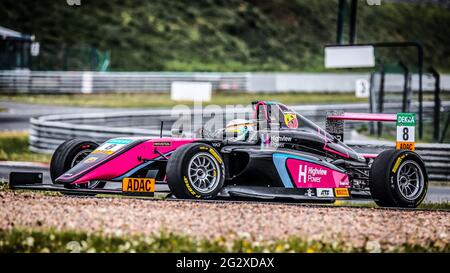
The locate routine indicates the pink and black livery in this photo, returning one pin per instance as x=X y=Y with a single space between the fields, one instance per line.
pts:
x=286 y=157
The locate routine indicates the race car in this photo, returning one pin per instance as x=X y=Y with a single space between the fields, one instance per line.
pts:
x=277 y=154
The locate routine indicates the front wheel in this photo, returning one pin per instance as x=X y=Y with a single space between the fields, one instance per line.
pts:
x=398 y=178
x=69 y=154
x=195 y=171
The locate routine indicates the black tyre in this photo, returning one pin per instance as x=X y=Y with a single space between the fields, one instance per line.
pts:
x=67 y=155
x=195 y=170
x=398 y=178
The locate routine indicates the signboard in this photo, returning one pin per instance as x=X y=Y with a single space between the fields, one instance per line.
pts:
x=191 y=91
x=362 y=88
x=349 y=56
x=406 y=127
x=34 y=49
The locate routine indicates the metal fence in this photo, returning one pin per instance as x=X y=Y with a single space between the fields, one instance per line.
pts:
x=93 y=82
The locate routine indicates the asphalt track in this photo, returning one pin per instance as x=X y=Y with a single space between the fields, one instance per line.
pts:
x=17 y=117
x=435 y=194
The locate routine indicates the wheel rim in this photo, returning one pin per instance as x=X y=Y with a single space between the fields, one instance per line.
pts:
x=77 y=159
x=204 y=172
x=410 y=180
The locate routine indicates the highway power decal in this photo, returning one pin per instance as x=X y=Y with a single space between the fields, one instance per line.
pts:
x=406 y=124
x=310 y=175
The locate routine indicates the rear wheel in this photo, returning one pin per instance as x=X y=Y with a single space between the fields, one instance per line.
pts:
x=69 y=154
x=398 y=178
x=195 y=171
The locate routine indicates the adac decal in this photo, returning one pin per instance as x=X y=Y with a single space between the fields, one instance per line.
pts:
x=90 y=160
x=138 y=184
x=341 y=192
x=291 y=121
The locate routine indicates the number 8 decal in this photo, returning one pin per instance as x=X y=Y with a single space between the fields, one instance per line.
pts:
x=405 y=133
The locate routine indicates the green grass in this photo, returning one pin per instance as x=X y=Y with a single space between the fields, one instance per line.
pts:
x=26 y=240
x=14 y=147
x=440 y=206
x=128 y=100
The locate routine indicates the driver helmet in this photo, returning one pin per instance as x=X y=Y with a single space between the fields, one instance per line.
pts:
x=239 y=129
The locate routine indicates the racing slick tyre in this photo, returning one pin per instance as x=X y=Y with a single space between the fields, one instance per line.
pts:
x=195 y=170
x=398 y=178
x=67 y=155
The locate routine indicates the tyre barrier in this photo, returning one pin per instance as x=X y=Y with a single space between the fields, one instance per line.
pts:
x=47 y=132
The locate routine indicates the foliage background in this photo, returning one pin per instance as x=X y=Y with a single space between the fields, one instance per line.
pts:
x=219 y=35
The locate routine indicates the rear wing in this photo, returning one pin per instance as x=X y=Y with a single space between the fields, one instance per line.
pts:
x=405 y=122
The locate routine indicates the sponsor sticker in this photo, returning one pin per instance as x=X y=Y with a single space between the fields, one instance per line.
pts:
x=397 y=163
x=112 y=146
x=119 y=141
x=141 y=185
x=90 y=160
x=162 y=144
x=191 y=191
x=341 y=192
x=216 y=156
x=290 y=119
x=406 y=124
x=325 y=192
x=310 y=192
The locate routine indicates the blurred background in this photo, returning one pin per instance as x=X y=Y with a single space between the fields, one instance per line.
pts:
x=106 y=68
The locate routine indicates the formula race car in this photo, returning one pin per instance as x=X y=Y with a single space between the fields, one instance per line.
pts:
x=277 y=154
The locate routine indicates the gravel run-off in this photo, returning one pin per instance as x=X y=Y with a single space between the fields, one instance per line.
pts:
x=353 y=227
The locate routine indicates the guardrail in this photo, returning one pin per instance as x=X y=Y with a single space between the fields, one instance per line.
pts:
x=92 y=82
x=47 y=132
x=435 y=155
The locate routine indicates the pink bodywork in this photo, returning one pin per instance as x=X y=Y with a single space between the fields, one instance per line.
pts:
x=365 y=117
x=369 y=155
x=310 y=175
x=129 y=159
